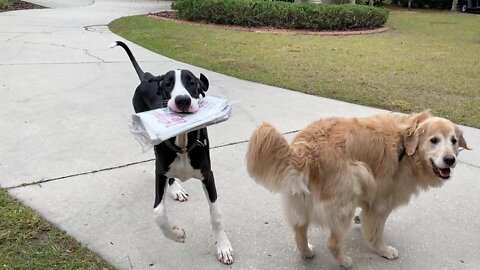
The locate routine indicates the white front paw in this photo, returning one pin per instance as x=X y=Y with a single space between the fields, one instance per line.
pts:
x=389 y=252
x=176 y=234
x=225 y=252
x=178 y=193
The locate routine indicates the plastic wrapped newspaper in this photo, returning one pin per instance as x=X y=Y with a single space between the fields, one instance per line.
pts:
x=152 y=127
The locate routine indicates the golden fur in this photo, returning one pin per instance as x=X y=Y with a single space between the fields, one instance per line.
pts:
x=335 y=165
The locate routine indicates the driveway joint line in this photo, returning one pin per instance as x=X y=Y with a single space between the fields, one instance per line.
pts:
x=39 y=182
x=77 y=174
x=150 y=160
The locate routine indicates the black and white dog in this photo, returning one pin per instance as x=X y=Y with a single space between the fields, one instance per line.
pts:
x=185 y=156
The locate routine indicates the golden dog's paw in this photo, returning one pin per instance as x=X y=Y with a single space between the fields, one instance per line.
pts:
x=390 y=253
x=347 y=263
x=308 y=254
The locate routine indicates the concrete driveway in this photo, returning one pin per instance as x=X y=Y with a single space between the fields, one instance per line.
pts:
x=66 y=152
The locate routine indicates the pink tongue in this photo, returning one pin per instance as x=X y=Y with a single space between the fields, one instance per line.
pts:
x=445 y=172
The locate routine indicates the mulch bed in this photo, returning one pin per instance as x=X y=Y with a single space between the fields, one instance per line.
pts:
x=19 y=5
x=172 y=16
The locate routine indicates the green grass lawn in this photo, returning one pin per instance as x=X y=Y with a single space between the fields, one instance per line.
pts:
x=428 y=60
x=29 y=242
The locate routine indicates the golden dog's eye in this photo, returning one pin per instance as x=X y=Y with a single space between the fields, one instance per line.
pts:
x=454 y=141
x=434 y=140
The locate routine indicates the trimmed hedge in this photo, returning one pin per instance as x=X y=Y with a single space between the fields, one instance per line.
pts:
x=4 y=4
x=278 y=14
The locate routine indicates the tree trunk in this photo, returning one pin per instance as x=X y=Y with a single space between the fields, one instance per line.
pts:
x=370 y=2
x=352 y=2
x=409 y=4
x=454 y=5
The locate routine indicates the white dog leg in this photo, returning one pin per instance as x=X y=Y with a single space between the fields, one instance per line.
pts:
x=171 y=232
x=224 y=248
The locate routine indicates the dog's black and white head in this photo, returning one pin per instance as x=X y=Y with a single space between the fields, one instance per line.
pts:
x=182 y=90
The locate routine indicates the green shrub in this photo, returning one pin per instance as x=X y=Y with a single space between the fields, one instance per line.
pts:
x=281 y=14
x=4 y=4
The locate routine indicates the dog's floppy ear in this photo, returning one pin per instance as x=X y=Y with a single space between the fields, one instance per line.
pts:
x=203 y=82
x=414 y=131
x=412 y=139
x=157 y=79
x=161 y=90
x=461 y=140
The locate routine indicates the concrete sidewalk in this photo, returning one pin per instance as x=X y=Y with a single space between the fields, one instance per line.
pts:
x=66 y=152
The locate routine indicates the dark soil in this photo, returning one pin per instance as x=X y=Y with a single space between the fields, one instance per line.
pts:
x=167 y=14
x=19 y=5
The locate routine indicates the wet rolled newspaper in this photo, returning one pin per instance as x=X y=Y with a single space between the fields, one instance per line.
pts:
x=153 y=127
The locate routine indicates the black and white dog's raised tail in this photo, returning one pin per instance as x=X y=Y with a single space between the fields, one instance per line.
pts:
x=183 y=157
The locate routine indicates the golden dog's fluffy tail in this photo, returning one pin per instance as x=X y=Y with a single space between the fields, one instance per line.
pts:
x=272 y=163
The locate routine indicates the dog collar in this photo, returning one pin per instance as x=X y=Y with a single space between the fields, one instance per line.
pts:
x=185 y=150
x=402 y=153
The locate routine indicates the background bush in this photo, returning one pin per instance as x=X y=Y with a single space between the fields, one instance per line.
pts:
x=281 y=14
x=4 y=4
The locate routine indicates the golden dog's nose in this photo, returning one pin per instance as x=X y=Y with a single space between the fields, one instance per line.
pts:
x=449 y=160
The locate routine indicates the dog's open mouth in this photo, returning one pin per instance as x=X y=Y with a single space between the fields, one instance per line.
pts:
x=184 y=112
x=443 y=173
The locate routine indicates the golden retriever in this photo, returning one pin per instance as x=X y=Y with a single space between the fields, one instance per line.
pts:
x=335 y=165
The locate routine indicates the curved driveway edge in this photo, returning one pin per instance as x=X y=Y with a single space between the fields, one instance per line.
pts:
x=62 y=3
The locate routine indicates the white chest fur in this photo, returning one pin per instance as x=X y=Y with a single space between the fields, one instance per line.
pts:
x=181 y=168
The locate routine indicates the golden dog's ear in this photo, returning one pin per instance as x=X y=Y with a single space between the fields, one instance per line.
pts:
x=414 y=131
x=411 y=140
x=461 y=140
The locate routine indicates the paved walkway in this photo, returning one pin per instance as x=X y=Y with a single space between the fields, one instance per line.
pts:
x=66 y=152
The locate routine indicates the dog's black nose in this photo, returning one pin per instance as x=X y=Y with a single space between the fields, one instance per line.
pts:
x=449 y=160
x=183 y=102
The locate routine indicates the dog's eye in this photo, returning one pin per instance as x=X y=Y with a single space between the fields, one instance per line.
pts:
x=168 y=84
x=454 y=141
x=192 y=83
x=434 y=140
